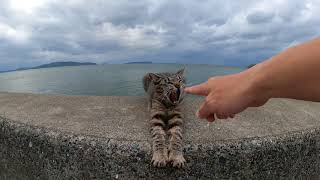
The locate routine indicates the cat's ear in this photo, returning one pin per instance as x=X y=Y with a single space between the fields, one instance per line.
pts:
x=154 y=77
x=181 y=71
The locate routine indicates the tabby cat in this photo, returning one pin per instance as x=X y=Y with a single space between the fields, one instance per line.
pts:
x=165 y=92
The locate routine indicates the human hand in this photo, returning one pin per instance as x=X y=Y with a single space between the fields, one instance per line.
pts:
x=226 y=96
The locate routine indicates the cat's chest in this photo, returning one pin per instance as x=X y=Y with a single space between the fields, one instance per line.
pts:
x=166 y=112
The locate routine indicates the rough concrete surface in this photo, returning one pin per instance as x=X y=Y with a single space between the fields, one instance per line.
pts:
x=87 y=137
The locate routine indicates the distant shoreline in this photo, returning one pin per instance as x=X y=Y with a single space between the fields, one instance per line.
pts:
x=52 y=65
x=140 y=62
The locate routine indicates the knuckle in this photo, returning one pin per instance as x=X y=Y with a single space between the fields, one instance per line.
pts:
x=219 y=116
x=207 y=99
x=223 y=114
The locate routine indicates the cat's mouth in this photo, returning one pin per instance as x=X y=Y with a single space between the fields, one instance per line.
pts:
x=175 y=96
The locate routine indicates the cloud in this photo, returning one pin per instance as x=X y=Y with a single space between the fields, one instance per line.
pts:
x=259 y=17
x=216 y=32
x=18 y=35
x=139 y=36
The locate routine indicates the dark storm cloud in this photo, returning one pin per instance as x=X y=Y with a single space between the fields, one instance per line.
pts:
x=219 y=32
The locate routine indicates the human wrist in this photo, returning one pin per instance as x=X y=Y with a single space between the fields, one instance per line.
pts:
x=259 y=87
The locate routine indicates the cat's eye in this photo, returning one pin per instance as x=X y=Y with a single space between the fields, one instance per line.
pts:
x=181 y=80
x=177 y=84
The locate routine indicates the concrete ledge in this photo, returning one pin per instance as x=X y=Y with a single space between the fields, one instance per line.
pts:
x=63 y=137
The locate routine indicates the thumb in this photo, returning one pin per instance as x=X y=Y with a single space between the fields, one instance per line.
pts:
x=201 y=89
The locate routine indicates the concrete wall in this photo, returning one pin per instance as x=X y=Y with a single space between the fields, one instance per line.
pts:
x=81 y=137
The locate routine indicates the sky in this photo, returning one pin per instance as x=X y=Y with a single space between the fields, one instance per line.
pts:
x=227 y=32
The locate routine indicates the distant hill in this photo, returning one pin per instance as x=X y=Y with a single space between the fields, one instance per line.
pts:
x=139 y=62
x=55 y=64
x=61 y=64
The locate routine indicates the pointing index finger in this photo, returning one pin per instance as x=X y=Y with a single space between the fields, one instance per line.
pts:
x=200 y=89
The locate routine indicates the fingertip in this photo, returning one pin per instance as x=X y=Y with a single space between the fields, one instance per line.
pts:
x=187 y=90
x=200 y=89
x=210 y=118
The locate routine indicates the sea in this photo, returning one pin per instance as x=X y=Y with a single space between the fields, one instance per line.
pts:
x=101 y=80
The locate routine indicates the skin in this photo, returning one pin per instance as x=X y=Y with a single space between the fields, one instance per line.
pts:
x=293 y=73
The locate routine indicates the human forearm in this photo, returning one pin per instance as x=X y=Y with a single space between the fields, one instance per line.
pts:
x=294 y=73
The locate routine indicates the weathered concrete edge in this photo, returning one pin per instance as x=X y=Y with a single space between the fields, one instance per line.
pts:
x=38 y=153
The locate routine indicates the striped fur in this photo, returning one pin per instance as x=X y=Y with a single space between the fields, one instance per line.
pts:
x=165 y=93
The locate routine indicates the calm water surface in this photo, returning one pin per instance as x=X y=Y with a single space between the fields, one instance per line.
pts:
x=100 y=80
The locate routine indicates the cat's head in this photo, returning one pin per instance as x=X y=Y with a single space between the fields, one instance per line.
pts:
x=169 y=87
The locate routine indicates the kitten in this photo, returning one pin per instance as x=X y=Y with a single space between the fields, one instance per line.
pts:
x=165 y=92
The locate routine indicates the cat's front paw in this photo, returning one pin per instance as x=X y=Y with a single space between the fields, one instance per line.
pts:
x=159 y=159
x=177 y=160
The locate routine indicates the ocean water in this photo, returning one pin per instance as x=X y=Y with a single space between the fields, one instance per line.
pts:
x=101 y=80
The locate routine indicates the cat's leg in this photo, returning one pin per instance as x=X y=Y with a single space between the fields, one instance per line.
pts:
x=175 y=141
x=160 y=151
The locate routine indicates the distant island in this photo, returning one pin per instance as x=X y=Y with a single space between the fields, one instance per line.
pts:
x=139 y=62
x=55 y=64
x=61 y=64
